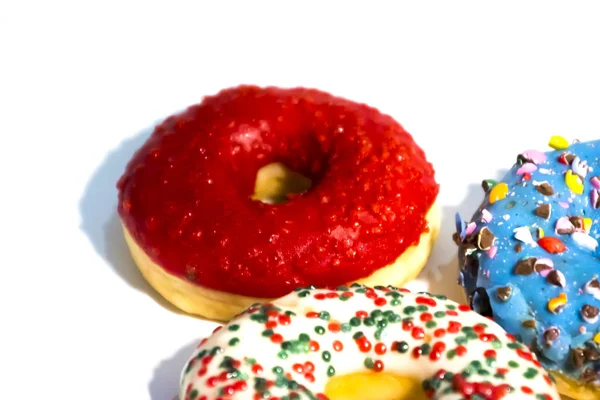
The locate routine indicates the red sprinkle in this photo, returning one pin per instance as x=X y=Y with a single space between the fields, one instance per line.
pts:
x=552 y=245
x=380 y=301
x=257 y=369
x=426 y=317
x=362 y=314
x=454 y=327
x=461 y=351
x=338 y=346
x=276 y=338
x=271 y=324
x=418 y=333
x=313 y=346
x=489 y=354
x=439 y=333
x=312 y=314
x=436 y=351
x=464 y=307
x=309 y=367
x=526 y=390
x=428 y=301
x=298 y=368
x=334 y=327
x=380 y=348
x=309 y=377
x=284 y=319
x=378 y=366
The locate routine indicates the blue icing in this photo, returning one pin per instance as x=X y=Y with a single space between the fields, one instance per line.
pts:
x=531 y=293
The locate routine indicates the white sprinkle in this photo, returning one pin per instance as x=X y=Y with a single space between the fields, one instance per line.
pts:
x=506 y=217
x=523 y=234
x=544 y=171
x=584 y=240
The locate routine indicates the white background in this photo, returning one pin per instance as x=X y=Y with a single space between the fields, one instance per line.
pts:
x=81 y=86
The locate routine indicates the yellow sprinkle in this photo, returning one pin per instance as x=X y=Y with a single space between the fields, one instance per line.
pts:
x=558 y=142
x=587 y=224
x=574 y=182
x=540 y=233
x=597 y=338
x=556 y=304
x=498 y=192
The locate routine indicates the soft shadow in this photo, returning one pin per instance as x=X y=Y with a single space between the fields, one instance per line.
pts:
x=100 y=222
x=442 y=269
x=165 y=380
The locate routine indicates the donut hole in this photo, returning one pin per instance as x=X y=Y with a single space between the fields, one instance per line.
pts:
x=275 y=184
x=374 y=386
x=480 y=302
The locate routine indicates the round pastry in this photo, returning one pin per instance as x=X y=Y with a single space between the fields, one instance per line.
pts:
x=529 y=259
x=257 y=191
x=362 y=343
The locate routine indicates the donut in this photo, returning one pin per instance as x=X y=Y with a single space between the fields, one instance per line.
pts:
x=362 y=343
x=218 y=213
x=529 y=259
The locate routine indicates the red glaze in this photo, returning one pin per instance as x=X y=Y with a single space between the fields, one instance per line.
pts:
x=185 y=195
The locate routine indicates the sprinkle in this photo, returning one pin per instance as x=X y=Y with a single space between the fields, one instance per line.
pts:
x=558 y=143
x=593 y=287
x=574 y=182
x=498 y=192
x=492 y=251
x=556 y=278
x=534 y=156
x=564 y=226
x=597 y=338
x=595 y=199
x=488 y=184
x=505 y=217
x=544 y=188
x=584 y=240
x=523 y=234
x=503 y=293
x=589 y=313
x=485 y=239
x=526 y=168
x=530 y=323
x=595 y=181
x=550 y=335
x=563 y=204
x=518 y=247
x=540 y=232
x=543 y=211
x=556 y=304
x=552 y=245
x=470 y=228
x=486 y=216
x=544 y=171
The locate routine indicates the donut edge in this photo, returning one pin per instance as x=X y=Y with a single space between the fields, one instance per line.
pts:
x=217 y=305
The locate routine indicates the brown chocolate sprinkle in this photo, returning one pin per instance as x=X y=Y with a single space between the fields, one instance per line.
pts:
x=511 y=204
x=485 y=239
x=588 y=375
x=570 y=157
x=591 y=353
x=577 y=222
x=503 y=293
x=550 y=335
x=555 y=278
x=589 y=313
x=543 y=211
x=518 y=247
x=525 y=266
x=530 y=323
x=545 y=189
x=577 y=357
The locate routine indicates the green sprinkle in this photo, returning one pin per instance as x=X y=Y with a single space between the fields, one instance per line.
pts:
x=451 y=354
x=304 y=293
x=319 y=330
x=476 y=364
x=422 y=307
x=330 y=371
x=382 y=324
x=513 y=364
x=513 y=345
x=355 y=321
x=282 y=355
x=530 y=373
x=461 y=340
x=303 y=337
x=496 y=344
x=450 y=306
x=402 y=347
x=439 y=314
x=259 y=318
x=394 y=318
x=368 y=363
x=357 y=335
x=345 y=327
x=326 y=356
x=395 y=302
x=425 y=349
x=233 y=327
x=430 y=324
x=369 y=321
x=409 y=310
x=193 y=394
x=376 y=313
x=324 y=315
x=267 y=333
x=234 y=341
x=277 y=370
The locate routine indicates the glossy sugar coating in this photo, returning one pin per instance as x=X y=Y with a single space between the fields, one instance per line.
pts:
x=530 y=255
x=290 y=348
x=185 y=196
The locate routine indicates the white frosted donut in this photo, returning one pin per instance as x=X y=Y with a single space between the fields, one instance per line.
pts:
x=291 y=348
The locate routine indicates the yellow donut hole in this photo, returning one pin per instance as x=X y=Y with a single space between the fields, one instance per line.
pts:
x=374 y=386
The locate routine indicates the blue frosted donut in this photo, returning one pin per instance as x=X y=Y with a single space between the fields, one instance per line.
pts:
x=529 y=258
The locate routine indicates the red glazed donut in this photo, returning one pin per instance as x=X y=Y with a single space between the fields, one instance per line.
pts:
x=185 y=199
